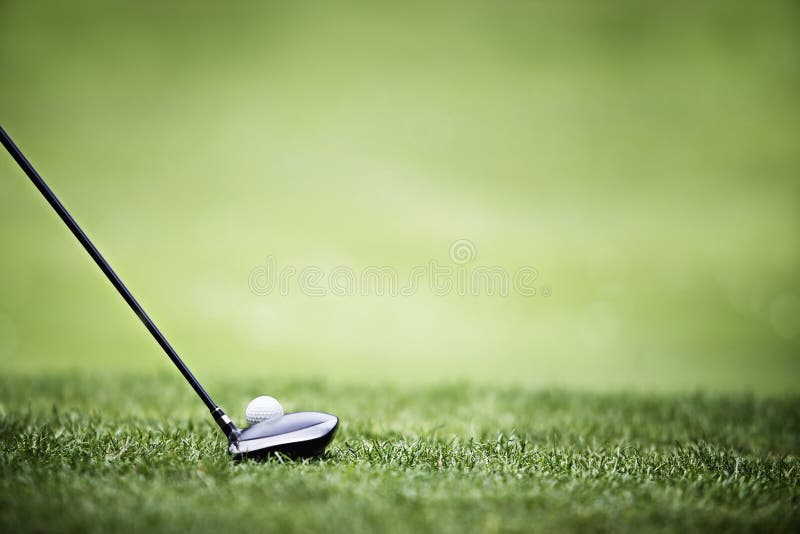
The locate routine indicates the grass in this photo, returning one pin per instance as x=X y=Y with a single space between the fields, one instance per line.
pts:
x=642 y=158
x=113 y=453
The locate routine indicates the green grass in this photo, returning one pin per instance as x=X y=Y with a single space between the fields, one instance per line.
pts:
x=641 y=156
x=114 y=454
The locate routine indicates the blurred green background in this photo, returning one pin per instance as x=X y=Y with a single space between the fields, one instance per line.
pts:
x=643 y=157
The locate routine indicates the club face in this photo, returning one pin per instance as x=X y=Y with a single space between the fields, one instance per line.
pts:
x=297 y=435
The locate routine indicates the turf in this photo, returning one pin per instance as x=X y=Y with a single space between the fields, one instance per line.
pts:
x=110 y=453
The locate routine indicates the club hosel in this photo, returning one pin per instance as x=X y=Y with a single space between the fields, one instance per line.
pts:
x=225 y=423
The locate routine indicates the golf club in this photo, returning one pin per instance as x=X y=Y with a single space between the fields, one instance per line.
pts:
x=297 y=435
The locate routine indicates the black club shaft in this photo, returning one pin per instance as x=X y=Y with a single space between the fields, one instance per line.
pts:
x=219 y=416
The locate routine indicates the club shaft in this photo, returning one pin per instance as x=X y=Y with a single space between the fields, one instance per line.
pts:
x=76 y=230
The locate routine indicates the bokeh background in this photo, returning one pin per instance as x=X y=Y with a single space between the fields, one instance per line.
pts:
x=642 y=156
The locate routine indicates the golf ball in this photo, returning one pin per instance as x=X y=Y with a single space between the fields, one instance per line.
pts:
x=263 y=408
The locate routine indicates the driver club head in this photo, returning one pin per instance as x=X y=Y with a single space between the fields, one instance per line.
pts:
x=297 y=435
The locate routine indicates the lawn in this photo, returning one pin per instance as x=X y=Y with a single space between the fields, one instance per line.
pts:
x=109 y=453
x=640 y=158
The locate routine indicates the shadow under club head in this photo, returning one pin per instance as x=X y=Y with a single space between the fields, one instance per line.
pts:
x=297 y=435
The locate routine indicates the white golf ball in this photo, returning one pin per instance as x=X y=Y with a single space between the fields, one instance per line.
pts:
x=263 y=408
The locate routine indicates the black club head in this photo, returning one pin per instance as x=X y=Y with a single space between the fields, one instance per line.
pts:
x=297 y=435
